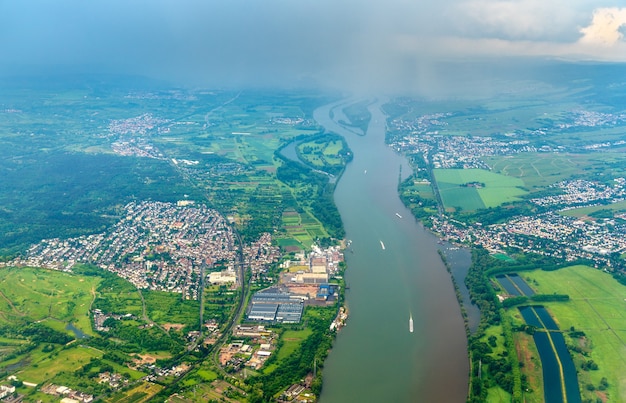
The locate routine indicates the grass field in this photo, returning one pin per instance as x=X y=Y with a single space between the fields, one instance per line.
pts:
x=538 y=170
x=38 y=294
x=291 y=341
x=597 y=307
x=585 y=211
x=498 y=395
x=45 y=366
x=494 y=189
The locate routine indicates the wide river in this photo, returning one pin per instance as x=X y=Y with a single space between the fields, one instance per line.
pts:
x=393 y=273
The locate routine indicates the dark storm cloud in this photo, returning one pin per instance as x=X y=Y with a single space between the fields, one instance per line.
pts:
x=353 y=43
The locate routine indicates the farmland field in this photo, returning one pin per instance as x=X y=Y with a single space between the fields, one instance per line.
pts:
x=471 y=189
x=142 y=393
x=301 y=229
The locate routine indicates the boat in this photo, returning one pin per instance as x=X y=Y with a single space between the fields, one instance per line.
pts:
x=365 y=172
x=382 y=245
x=398 y=215
x=411 y=323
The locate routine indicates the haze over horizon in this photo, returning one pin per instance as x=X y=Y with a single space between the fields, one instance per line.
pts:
x=392 y=45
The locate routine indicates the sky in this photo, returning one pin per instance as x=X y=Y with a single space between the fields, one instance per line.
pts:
x=350 y=43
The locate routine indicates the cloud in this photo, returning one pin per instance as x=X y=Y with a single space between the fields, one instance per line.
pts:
x=605 y=27
x=377 y=43
x=519 y=19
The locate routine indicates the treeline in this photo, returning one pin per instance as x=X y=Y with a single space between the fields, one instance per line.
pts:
x=620 y=277
x=500 y=214
x=35 y=332
x=417 y=204
x=514 y=301
x=486 y=369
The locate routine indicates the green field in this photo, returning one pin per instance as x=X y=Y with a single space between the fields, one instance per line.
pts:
x=166 y=307
x=38 y=294
x=302 y=229
x=538 y=170
x=320 y=154
x=45 y=366
x=585 y=211
x=492 y=189
x=597 y=307
x=291 y=341
x=116 y=295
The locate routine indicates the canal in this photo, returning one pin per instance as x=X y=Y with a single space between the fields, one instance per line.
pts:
x=394 y=273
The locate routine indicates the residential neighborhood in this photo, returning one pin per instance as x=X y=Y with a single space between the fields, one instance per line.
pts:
x=159 y=246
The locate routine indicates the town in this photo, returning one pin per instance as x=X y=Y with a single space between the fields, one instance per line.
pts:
x=158 y=246
x=551 y=230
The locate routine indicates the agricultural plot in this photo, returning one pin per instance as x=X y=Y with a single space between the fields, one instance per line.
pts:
x=457 y=197
x=597 y=307
x=217 y=390
x=471 y=189
x=302 y=230
x=139 y=394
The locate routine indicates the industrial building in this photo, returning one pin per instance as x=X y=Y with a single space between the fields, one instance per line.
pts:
x=276 y=306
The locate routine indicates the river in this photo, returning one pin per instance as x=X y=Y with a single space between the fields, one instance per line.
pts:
x=394 y=272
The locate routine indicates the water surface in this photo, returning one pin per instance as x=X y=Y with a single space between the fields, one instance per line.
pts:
x=394 y=272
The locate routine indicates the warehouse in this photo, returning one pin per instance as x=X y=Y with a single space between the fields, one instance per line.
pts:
x=275 y=305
